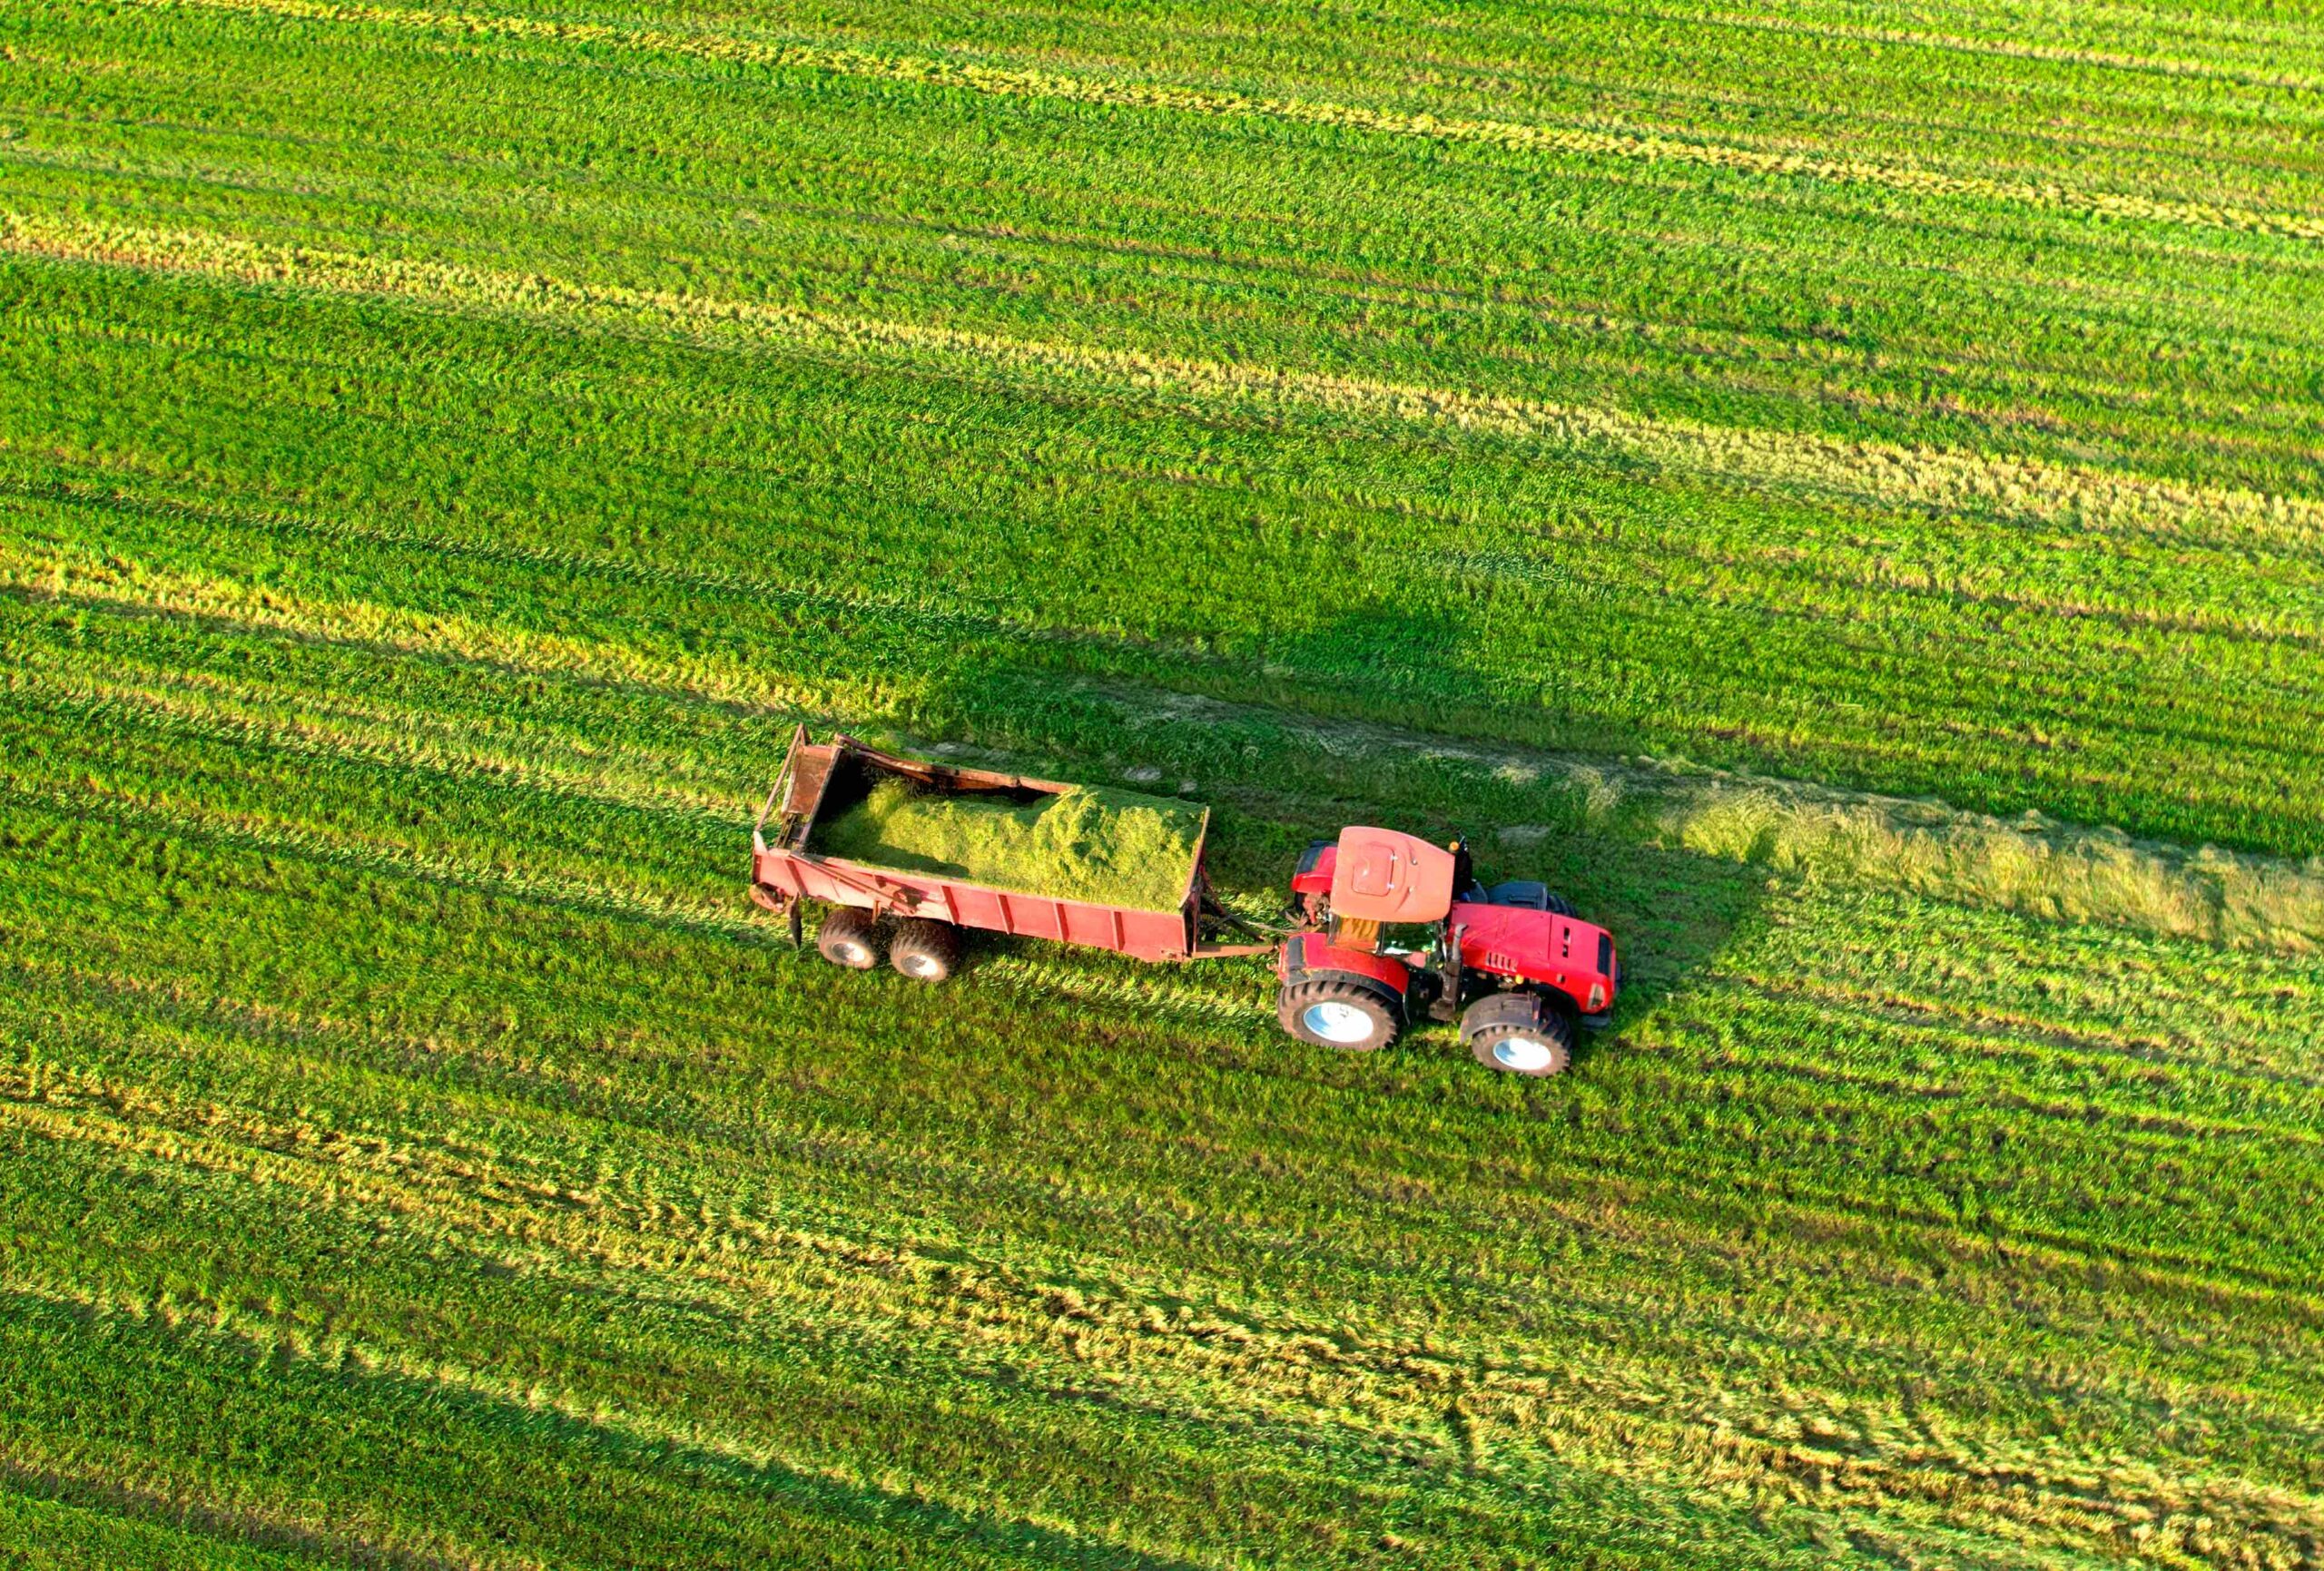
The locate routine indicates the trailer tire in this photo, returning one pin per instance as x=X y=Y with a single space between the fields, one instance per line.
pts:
x=1353 y=1014
x=850 y=937
x=925 y=950
x=1518 y=1033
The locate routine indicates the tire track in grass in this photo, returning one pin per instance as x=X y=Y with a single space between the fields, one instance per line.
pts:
x=2074 y=1246
x=668 y=1440
x=1938 y=479
x=2252 y=1016
x=2258 y=1017
x=2003 y=1032
x=933 y=612
x=1511 y=1401
x=1827 y=1203
x=1817 y=1201
x=133 y=590
x=1827 y=595
x=53 y=1503
x=1998 y=391
x=1258 y=1369
x=591 y=899
x=1998 y=1047
x=918 y=609
x=1514 y=1402
x=1488 y=1498
x=667 y=1261
x=1032 y=977
x=2028 y=864
x=1841 y=1200
x=224 y=721
x=219 y=716
x=1515 y=136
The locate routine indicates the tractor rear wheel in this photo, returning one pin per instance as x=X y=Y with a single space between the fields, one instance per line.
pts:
x=850 y=937
x=1340 y=1012
x=925 y=950
x=1518 y=1033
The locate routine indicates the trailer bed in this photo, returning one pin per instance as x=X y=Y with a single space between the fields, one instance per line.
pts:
x=834 y=777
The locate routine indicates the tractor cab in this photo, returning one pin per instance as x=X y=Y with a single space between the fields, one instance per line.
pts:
x=1395 y=924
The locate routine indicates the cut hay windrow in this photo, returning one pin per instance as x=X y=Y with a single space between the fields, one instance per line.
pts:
x=2033 y=865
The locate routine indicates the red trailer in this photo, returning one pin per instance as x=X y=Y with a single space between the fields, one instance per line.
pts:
x=1383 y=928
x=927 y=907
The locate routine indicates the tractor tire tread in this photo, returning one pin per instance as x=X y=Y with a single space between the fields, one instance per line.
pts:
x=1501 y=1017
x=1295 y=998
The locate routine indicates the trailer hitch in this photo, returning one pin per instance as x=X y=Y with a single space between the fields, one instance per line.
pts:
x=782 y=904
x=1261 y=932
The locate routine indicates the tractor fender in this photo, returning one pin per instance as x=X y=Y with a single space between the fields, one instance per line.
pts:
x=1308 y=956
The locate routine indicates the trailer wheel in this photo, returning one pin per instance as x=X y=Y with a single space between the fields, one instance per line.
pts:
x=850 y=937
x=1518 y=1033
x=1340 y=1012
x=925 y=950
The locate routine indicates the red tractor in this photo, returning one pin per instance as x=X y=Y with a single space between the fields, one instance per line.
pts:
x=1511 y=963
x=1382 y=928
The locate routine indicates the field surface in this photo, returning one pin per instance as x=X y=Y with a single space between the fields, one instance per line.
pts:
x=1833 y=487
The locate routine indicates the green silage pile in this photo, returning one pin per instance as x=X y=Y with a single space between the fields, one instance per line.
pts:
x=1109 y=847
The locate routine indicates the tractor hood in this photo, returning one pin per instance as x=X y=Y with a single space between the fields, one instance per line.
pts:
x=1572 y=956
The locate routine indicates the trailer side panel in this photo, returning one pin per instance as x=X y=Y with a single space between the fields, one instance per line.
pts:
x=1143 y=935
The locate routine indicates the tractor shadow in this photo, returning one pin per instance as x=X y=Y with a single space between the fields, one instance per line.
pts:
x=1672 y=912
x=1406 y=739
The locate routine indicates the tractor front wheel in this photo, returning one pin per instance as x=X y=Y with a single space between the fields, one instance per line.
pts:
x=925 y=950
x=850 y=937
x=1338 y=1012
x=1518 y=1033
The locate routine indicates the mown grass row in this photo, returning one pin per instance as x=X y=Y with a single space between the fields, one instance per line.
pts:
x=2149 y=91
x=1976 y=325
x=1646 y=638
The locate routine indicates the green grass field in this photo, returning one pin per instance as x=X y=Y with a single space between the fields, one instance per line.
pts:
x=1833 y=487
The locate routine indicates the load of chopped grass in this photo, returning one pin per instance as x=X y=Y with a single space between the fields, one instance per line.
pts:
x=1109 y=847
